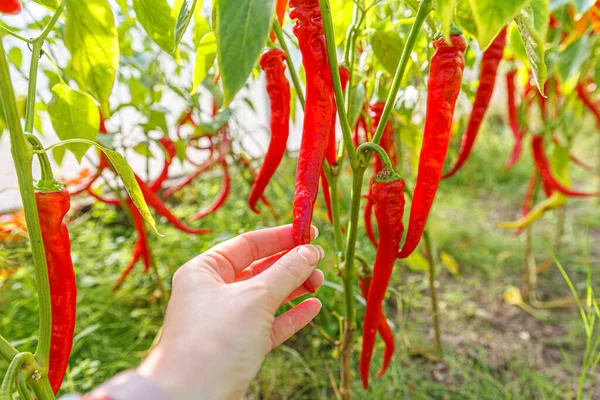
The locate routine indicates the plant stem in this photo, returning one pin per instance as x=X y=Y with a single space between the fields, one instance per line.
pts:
x=7 y=350
x=433 y=291
x=14 y=368
x=42 y=389
x=335 y=77
x=348 y=278
x=368 y=148
x=290 y=63
x=422 y=13
x=22 y=155
x=529 y=292
x=335 y=211
x=14 y=34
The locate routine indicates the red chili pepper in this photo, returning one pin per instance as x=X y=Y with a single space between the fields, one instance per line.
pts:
x=445 y=77
x=368 y=216
x=318 y=114
x=10 y=7
x=221 y=197
x=528 y=200
x=513 y=118
x=589 y=103
x=383 y=327
x=155 y=202
x=169 y=146
x=52 y=208
x=278 y=89
x=388 y=197
x=542 y=164
x=487 y=79
x=280 y=8
x=205 y=166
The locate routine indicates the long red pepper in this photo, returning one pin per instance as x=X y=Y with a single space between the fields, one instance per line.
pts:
x=280 y=8
x=513 y=119
x=528 y=200
x=141 y=249
x=10 y=6
x=221 y=197
x=171 y=152
x=387 y=191
x=318 y=115
x=278 y=89
x=202 y=168
x=543 y=165
x=383 y=327
x=589 y=103
x=368 y=216
x=157 y=204
x=52 y=208
x=487 y=80
x=445 y=77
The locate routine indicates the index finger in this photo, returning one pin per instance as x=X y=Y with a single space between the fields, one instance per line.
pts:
x=243 y=250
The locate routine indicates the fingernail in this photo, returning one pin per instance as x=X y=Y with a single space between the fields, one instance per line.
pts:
x=310 y=253
x=315 y=232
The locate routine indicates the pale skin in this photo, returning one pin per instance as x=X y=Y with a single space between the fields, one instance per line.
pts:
x=220 y=320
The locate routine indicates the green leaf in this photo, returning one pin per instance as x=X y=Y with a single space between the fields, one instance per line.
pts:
x=444 y=10
x=465 y=19
x=241 y=29
x=359 y=93
x=143 y=149
x=156 y=19
x=533 y=46
x=205 y=58
x=515 y=42
x=493 y=15
x=92 y=39
x=50 y=4
x=201 y=26
x=572 y=59
x=541 y=16
x=74 y=115
x=183 y=20
x=387 y=47
x=15 y=55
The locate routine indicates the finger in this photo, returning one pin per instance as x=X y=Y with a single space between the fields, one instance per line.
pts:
x=287 y=274
x=286 y=325
x=238 y=253
x=259 y=266
x=316 y=279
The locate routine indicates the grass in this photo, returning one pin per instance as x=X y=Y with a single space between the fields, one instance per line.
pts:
x=491 y=350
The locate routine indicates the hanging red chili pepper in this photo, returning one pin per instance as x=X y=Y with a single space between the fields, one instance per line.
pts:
x=542 y=164
x=513 y=119
x=202 y=168
x=52 y=208
x=383 y=327
x=171 y=152
x=445 y=77
x=10 y=6
x=528 y=200
x=280 y=8
x=278 y=89
x=368 y=217
x=487 y=80
x=318 y=116
x=387 y=191
x=221 y=198
x=589 y=103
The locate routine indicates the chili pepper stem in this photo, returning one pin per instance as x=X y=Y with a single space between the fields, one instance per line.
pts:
x=433 y=291
x=530 y=270
x=335 y=211
x=22 y=155
x=7 y=350
x=424 y=9
x=42 y=388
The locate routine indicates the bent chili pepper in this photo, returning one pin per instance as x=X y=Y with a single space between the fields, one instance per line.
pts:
x=141 y=249
x=387 y=190
x=278 y=89
x=445 y=77
x=171 y=152
x=543 y=165
x=10 y=6
x=487 y=80
x=202 y=168
x=383 y=327
x=555 y=200
x=318 y=115
x=513 y=119
x=52 y=208
x=368 y=216
x=221 y=198
x=588 y=102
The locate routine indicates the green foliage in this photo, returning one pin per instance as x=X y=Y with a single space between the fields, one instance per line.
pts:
x=241 y=29
x=445 y=10
x=492 y=16
x=156 y=19
x=534 y=47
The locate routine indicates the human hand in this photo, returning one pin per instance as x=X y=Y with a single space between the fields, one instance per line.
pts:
x=220 y=320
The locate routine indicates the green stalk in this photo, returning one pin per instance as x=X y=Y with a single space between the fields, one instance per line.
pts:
x=22 y=155
x=424 y=9
x=7 y=350
x=288 y=59
x=349 y=53
x=368 y=148
x=337 y=224
x=335 y=77
x=42 y=389
x=433 y=292
x=14 y=368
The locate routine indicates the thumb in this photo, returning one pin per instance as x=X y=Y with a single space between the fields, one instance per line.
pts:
x=290 y=272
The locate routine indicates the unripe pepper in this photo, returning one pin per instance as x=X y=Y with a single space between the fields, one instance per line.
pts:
x=445 y=77
x=10 y=6
x=318 y=115
x=387 y=191
x=487 y=80
x=52 y=208
x=278 y=89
